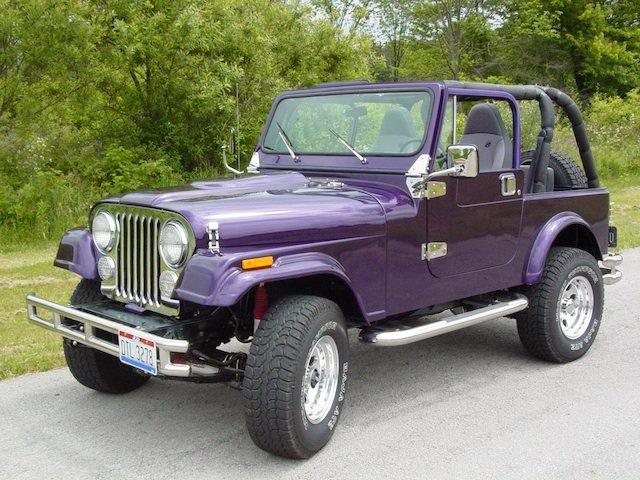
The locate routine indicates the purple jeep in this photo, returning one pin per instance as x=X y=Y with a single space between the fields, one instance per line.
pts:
x=368 y=206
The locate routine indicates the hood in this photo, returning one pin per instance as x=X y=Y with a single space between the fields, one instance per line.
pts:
x=270 y=209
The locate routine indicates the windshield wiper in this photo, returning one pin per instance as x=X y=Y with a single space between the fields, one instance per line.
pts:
x=286 y=141
x=362 y=159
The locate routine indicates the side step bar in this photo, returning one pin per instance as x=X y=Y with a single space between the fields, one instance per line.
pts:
x=392 y=338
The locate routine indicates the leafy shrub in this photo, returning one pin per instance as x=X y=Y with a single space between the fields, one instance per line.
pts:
x=45 y=207
x=125 y=169
x=613 y=127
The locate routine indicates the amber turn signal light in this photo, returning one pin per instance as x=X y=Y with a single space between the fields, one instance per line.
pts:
x=255 y=263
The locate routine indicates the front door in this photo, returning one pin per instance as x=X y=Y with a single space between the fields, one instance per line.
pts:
x=474 y=224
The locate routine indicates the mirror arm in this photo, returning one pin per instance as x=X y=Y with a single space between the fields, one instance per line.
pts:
x=453 y=171
x=226 y=164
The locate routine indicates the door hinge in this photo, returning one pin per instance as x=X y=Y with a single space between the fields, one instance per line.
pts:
x=435 y=189
x=433 y=250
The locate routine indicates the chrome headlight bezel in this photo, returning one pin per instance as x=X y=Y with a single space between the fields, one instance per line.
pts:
x=112 y=230
x=180 y=239
x=167 y=283
x=106 y=267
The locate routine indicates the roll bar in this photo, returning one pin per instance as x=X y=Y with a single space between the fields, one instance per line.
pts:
x=546 y=97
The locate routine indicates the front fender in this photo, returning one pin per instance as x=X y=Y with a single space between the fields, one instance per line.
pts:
x=77 y=254
x=543 y=242
x=219 y=281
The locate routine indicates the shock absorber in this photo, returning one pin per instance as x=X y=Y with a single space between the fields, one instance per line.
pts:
x=260 y=305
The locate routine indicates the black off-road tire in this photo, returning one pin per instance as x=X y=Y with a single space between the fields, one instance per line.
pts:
x=566 y=171
x=571 y=278
x=92 y=368
x=274 y=380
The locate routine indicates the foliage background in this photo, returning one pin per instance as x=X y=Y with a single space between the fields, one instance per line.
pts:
x=103 y=96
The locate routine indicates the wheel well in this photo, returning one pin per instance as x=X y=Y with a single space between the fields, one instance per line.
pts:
x=321 y=285
x=578 y=236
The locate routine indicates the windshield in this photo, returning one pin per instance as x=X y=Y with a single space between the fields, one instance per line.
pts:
x=388 y=123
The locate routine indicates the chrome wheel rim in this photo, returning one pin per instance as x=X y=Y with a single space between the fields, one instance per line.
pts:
x=576 y=307
x=320 y=379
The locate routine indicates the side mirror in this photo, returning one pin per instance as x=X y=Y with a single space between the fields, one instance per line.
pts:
x=231 y=148
x=463 y=160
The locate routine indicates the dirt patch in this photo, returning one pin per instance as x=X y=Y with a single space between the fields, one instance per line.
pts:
x=19 y=312
x=6 y=282
x=17 y=260
x=624 y=207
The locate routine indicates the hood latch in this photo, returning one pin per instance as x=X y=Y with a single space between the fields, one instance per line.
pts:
x=214 y=238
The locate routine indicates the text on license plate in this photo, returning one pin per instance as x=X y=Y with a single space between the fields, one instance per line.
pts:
x=138 y=351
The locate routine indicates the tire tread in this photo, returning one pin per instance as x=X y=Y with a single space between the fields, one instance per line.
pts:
x=534 y=323
x=94 y=369
x=270 y=374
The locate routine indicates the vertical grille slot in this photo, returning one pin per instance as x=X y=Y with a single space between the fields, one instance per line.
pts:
x=138 y=260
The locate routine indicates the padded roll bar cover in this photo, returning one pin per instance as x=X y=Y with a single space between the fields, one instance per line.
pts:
x=580 y=132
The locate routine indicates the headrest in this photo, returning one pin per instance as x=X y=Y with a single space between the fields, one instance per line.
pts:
x=398 y=121
x=484 y=118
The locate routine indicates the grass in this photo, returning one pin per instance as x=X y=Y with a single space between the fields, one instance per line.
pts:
x=25 y=348
x=625 y=210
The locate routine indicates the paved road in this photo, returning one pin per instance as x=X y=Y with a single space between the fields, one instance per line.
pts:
x=470 y=404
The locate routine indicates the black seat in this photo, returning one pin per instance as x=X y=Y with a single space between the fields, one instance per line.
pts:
x=485 y=129
x=396 y=130
x=527 y=178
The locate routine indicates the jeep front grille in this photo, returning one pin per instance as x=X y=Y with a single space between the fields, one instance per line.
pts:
x=138 y=264
x=138 y=260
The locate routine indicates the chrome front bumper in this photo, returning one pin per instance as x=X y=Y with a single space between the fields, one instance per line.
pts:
x=609 y=266
x=89 y=324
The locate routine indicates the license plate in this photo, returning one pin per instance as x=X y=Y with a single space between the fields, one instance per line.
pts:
x=138 y=351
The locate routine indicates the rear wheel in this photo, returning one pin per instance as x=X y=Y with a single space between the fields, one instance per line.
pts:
x=565 y=308
x=92 y=368
x=566 y=172
x=295 y=377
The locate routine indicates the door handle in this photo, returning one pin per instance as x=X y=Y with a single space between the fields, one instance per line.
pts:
x=508 y=184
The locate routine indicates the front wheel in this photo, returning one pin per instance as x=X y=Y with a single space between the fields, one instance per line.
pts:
x=565 y=308
x=295 y=377
x=94 y=369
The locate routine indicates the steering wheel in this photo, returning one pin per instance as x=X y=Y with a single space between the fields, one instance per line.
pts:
x=404 y=148
x=441 y=157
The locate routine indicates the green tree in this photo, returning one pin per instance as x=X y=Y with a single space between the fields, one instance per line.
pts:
x=458 y=32
x=597 y=43
x=394 y=29
x=590 y=45
x=348 y=16
x=528 y=47
x=102 y=96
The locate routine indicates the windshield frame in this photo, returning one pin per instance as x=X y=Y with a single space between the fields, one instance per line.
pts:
x=333 y=161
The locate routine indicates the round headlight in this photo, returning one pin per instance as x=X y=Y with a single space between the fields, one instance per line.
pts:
x=173 y=244
x=103 y=230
